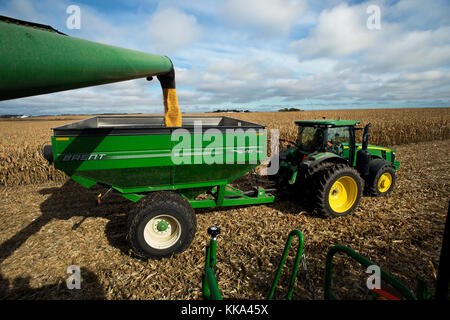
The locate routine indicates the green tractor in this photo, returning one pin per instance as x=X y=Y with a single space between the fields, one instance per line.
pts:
x=330 y=171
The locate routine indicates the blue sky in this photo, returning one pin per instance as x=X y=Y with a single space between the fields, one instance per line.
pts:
x=258 y=55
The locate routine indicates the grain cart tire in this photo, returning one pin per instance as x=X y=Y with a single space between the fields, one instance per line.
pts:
x=165 y=224
x=338 y=190
x=381 y=178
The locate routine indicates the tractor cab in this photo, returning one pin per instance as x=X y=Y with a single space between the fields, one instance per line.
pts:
x=334 y=136
x=317 y=138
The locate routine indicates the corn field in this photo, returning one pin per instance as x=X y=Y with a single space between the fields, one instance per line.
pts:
x=21 y=141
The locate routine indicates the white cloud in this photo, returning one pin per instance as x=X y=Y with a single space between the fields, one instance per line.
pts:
x=402 y=61
x=340 y=31
x=170 y=29
x=270 y=16
x=122 y=97
x=409 y=51
x=26 y=10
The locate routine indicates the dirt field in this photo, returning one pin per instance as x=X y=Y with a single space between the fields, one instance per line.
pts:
x=47 y=226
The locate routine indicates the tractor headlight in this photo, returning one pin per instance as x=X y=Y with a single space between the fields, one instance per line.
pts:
x=392 y=156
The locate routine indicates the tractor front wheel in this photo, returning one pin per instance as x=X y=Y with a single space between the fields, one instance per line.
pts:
x=338 y=190
x=381 y=178
x=164 y=225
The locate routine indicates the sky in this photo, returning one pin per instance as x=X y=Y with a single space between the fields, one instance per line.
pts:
x=258 y=55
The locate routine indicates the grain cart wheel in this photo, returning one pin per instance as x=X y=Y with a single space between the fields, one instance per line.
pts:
x=338 y=190
x=381 y=179
x=164 y=225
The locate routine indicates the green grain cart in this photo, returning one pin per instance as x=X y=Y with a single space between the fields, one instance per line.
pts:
x=166 y=169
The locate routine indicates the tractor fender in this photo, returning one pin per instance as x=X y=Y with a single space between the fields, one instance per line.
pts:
x=311 y=162
x=376 y=164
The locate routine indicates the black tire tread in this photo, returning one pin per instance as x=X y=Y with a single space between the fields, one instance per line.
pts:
x=158 y=200
x=323 y=181
x=306 y=183
x=378 y=167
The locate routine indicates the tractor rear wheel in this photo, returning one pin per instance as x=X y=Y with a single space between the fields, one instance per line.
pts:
x=338 y=190
x=306 y=183
x=164 y=225
x=381 y=178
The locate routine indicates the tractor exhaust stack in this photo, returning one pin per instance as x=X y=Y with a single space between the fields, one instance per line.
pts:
x=363 y=156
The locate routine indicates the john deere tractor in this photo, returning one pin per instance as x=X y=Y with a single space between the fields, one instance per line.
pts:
x=327 y=168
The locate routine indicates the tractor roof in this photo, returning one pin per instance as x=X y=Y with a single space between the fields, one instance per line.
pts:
x=326 y=122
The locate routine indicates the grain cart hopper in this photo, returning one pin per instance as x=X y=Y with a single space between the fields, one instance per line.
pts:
x=135 y=157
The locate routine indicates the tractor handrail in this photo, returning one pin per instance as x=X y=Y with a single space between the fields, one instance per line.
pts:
x=283 y=260
x=389 y=279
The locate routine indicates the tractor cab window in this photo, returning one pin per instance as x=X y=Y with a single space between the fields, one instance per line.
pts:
x=336 y=137
x=310 y=139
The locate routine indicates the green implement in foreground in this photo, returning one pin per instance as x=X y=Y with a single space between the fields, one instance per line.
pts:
x=210 y=286
x=298 y=258
x=381 y=285
x=402 y=290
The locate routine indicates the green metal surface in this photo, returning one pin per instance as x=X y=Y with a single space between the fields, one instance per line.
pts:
x=137 y=164
x=298 y=256
x=225 y=195
x=209 y=282
x=37 y=61
x=343 y=152
x=386 y=277
x=375 y=152
x=162 y=225
x=210 y=287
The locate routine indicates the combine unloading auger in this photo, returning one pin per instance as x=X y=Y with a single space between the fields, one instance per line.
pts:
x=37 y=59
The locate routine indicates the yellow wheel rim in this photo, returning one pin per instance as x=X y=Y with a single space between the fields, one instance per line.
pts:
x=343 y=194
x=385 y=182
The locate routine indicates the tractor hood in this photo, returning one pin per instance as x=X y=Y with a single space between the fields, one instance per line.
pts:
x=380 y=152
